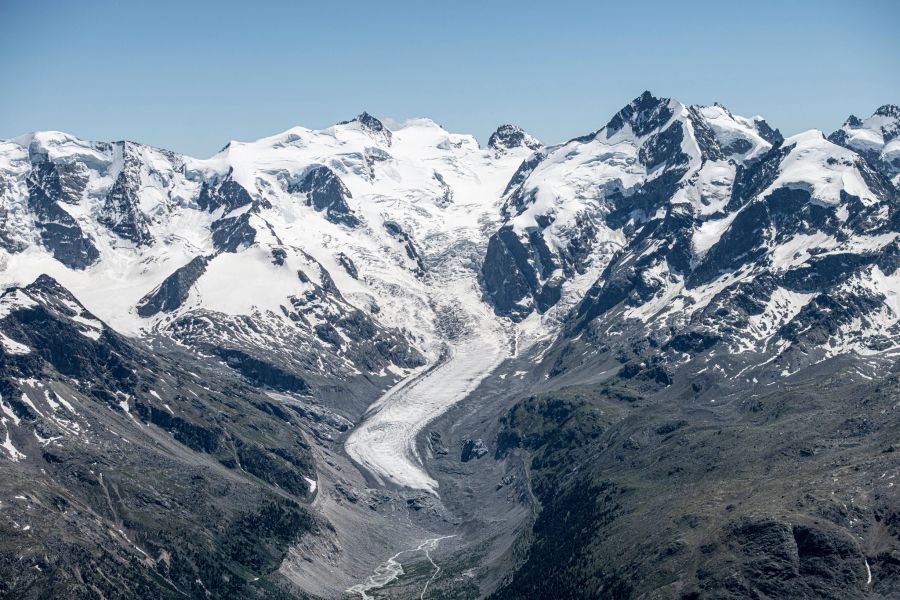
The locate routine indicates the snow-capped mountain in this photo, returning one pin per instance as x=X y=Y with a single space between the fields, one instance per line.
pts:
x=390 y=292
x=699 y=228
x=877 y=138
x=569 y=208
x=341 y=252
x=509 y=137
x=332 y=262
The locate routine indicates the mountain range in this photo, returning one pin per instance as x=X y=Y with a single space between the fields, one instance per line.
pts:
x=655 y=361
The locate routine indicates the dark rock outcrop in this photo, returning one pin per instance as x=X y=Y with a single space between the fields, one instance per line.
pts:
x=174 y=289
x=517 y=273
x=60 y=233
x=406 y=241
x=224 y=193
x=121 y=211
x=233 y=233
x=506 y=137
x=472 y=449
x=326 y=193
x=372 y=126
x=435 y=443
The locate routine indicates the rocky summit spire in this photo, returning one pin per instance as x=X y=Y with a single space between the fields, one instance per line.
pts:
x=511 y=136
x=372 y=126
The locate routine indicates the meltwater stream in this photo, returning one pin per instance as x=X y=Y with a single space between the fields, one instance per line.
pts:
x=391 y=569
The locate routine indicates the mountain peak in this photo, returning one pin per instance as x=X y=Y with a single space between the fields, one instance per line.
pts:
x=46 y=282
x=646 y=98
x=371 y=125
x=369 y=122
x=888 y=110
x=508 y=136
x=874 y=138
x=49 y=290
x=645 y=113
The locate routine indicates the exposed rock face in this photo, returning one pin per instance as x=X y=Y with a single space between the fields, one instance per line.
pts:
x=877 y=139
x=800 y=560
x=436 y=444
x=121 y=211
x=514 y=270
x=225 y=193
x=262 y=373
x=59 y=232
x=174 y=290
x=372 y=126
x=230 y=234
x=406 y=242
x=472 y=449
x=446 y=190
x=515 y=203
x=512 y=136
x=233 y=229
x=101 y=430
x=326 y=193
x=348 y=265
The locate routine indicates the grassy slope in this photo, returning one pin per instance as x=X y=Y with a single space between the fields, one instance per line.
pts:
x=780 y=495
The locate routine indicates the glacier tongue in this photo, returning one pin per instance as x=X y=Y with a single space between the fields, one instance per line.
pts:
x=385 y=443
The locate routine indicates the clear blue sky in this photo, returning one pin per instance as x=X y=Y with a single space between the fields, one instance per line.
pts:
x=192 y=75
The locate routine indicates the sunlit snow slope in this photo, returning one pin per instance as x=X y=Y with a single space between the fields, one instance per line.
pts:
x=303 y=260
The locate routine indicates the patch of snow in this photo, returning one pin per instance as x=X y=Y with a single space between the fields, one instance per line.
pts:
x=7 y=444
x=12 y=346
x=782 y=306
x=821 y=168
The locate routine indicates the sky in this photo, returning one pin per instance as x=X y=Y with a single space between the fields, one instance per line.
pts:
x=192 y=75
